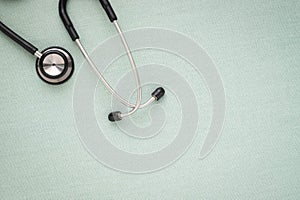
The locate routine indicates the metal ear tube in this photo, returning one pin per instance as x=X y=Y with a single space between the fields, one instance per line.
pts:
x=114 y=116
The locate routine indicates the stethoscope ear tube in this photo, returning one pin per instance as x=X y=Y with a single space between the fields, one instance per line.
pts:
x=18 y=39
x=114 y=116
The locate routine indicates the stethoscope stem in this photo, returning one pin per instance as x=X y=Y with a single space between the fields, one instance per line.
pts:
x=38 y=54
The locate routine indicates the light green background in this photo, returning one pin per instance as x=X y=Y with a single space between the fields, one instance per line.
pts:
x=255 y=45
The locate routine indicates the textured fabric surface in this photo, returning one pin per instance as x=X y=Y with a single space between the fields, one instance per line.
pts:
x=255 y=45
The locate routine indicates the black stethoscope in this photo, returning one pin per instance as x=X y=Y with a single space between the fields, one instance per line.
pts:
x=55 y=65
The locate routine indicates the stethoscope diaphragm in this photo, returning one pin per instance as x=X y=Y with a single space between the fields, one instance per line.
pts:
x=55 y=66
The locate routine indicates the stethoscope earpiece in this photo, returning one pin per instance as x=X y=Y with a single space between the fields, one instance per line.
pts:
x=115 y=116
x=158 y=93
x=55 y=65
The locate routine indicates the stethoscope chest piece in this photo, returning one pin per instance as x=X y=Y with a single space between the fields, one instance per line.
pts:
x=55 y=65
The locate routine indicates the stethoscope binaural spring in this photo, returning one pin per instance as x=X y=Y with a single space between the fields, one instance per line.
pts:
x=54 y=65
x=114 y=116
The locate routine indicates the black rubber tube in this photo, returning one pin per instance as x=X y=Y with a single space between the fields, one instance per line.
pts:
x=18 y=39
x=109 y=10
x=66 y=20
x=62 y=8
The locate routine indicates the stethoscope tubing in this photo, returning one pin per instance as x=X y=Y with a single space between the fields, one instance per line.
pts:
x=18 y=39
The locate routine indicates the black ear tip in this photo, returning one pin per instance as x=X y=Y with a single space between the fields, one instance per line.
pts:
x=114 y=116
x=161 y=89
x=158 y=93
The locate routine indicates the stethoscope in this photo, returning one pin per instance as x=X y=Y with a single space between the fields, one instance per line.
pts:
x=113 y=116
x=54 y=65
